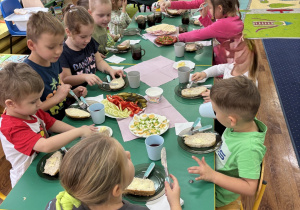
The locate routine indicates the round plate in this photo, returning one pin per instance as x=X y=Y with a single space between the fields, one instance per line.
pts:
x=157 y=176
x=202 y=150
x=189 y=64
x=131 y=31
x=197 y=47
x=161 y=40
x=109 y=129
x=107 y=88
x=160 y=32
x=141 y=136
x=172 y=12
x=41 y=164
x=182 y=86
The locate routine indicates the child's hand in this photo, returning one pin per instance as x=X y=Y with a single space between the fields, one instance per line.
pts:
x=164 y=5
x=204 y=10
x=92 y=79
x=102 y=56
x=62 y=92
x=205 y=171
x=206 y=96
x=80 y=91
x=124 y=4
x=198 y=76
x=117 y=72
x=173 y=194
x=88 y=130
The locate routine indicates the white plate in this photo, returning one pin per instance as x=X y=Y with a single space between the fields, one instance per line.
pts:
x=200 y=81
x=142 y=136
x=110 y=130
x=189 y=64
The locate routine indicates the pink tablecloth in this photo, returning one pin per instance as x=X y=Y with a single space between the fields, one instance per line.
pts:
x=156 y=71
x=163 y=108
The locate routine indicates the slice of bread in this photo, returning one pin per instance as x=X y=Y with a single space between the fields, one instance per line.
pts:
x=77 y=113
x=124 y=45
x=200 y=140
x=53 y=163
x=192 y=92
x=119 y=83
x=142 y=187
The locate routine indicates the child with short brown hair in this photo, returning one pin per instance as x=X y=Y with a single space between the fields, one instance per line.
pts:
x=45 y=35
x=23 y=125
x=235 y=101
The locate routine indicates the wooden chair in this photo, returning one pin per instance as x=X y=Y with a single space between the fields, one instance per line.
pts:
x=260 y=189
x=2 y=196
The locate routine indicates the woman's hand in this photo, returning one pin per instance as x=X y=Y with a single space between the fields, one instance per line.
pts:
x=164 y=5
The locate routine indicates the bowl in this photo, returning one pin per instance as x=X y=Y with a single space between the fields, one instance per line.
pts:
x=154 y=94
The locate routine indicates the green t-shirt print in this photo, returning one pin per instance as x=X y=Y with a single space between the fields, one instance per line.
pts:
x=240 y=155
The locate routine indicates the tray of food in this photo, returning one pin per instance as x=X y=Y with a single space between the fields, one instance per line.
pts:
x=165 y=40
x=161 y=29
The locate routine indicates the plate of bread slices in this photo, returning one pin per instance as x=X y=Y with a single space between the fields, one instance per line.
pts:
x=77 y=113
x=48 y=166
x=190 y=93
x=148 y=189
x=200 y=142
x=119 y=84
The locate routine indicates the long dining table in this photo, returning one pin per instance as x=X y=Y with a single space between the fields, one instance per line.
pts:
x=33 y=191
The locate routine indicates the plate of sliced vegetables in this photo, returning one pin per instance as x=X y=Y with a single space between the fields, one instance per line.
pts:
x=124 y=105
x=144 y=125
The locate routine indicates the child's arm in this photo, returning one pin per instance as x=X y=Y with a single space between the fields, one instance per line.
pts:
x=237 y=185
x=59 y=96
x=173 y=194
x=104 y=67
x=186 y=4
x=73 y=80
x=56 y=142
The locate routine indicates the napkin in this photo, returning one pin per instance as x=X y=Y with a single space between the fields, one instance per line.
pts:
x=134 y=42
x=117 y=67
x=115 y=59
x=181 y=126
x=204 y=43
x=161 y=203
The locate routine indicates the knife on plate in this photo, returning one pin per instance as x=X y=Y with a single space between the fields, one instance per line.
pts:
x=164 y=163
x=188 y=132
x=148 y=171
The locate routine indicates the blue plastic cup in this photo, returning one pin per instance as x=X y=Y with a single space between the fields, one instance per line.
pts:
x=154 y=144
x=206 y=110
x=97 y=112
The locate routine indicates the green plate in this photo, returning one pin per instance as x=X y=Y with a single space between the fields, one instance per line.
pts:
x=41 y=164
x=107 y=88
x=202 y=150
x=157 y=176
x=182 y=86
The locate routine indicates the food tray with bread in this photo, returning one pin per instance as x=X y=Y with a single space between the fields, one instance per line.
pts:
x=190 y=93
x=143 y=191
x=161 y=29
x=48 y=166
x=165 y=40
x=200 y=142
x=121 y=83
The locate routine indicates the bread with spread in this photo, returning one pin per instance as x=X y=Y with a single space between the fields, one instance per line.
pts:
x=118 y=83
x=124 y=45
x=200 y=140
x=77 y=113
x=142 y=187
x=192 y=92
x=53 y=163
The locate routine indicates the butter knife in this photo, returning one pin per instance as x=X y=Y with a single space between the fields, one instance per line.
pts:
x=148 y=171
x=187 y=131
x=164 y=163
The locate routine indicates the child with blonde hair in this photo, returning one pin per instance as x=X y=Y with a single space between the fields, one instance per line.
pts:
x=23 y=125
x=235 y=101
x=80 y=58
x=45 y=36
x=95 y=173
x=227 y=29
x=119 y=17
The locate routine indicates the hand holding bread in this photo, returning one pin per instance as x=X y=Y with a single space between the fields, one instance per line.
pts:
x=204 y=170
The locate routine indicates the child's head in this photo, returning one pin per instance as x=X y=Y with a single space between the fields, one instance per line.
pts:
x=45 y=36
x=19 y=84
x=83 y=3
x=96 y=170
x=222 y=8
x=116 y=4
x=101 y=12
x=79 y=25
x=237 y=97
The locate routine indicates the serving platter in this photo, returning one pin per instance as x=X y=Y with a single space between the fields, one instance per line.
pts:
x=165 y=40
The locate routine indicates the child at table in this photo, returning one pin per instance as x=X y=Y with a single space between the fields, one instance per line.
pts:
x=45 y=36
x=23 y=125
x=235 y=101
x=119 y=18
x=80 y=58
x=95 y=173
x=245 y=63
x=227 y=29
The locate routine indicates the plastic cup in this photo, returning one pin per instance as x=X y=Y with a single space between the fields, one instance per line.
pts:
x=154 y=144
x=179 y=49
x=134 y=79
x=97 y=112
x=206 y=110
x=154 y=94
x=184 y=74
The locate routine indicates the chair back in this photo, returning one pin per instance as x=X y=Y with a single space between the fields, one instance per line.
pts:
x=7 y=7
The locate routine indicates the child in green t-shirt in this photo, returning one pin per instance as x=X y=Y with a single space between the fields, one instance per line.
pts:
x=238 y=161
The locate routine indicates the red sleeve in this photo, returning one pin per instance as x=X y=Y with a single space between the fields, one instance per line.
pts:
x=186 y=4
x=48 y=120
